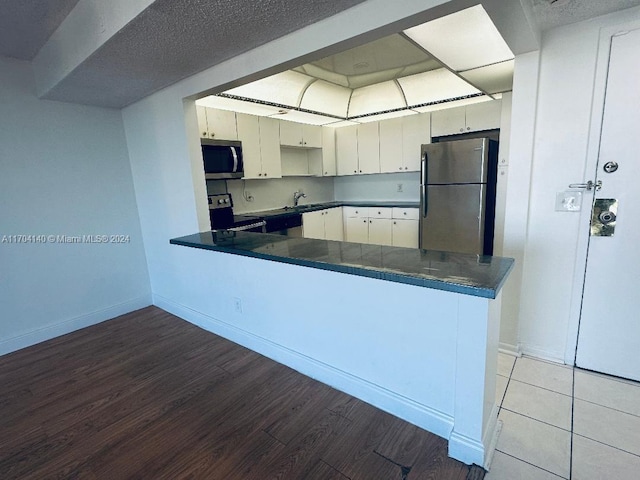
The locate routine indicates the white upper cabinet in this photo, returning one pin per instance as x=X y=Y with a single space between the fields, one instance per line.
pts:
x=400 y=140
x=347 y=150
x=471 y=118
x=216 y=124
x=368 y=148
x=328 y=151
x=260 y=146
x=294 y=134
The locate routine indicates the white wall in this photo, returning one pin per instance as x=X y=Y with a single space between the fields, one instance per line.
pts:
x=382 y=187
x=278 y=192
x=563 y=115
x=64 y=170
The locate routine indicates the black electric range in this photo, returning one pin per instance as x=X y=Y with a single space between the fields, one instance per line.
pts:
x=222 y=217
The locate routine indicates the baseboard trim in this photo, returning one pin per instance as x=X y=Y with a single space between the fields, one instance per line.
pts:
x=72 y=324
x=466 y=449
x=555 y=357
x=510 y=349
x=391 y=402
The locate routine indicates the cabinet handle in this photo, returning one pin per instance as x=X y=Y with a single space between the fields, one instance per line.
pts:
x=355 y=171
x=404 y=213
x=369 y=221
x=360 y=171
x=265 y=174
x=394 y=223
x=364 y=221
x=259 y=174
x=468 y=128
x=406 y=168
x=326 y=173
x=462 y=129
x=204 y=134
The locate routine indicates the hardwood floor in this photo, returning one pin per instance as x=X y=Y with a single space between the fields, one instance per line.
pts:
x=148 y=395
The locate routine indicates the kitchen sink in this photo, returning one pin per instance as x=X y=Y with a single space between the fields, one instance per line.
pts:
x=299 y=208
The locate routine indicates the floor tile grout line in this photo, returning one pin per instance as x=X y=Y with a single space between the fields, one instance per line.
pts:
x=536 y=420
x=607 y=406
x=573 y=401
x=608 y=445
x=532 y=464
x=543 y=388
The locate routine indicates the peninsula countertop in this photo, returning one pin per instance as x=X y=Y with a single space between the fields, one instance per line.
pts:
x=476 y=275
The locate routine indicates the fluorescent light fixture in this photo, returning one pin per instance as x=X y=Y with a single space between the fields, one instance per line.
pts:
x=434 y=86
x=386 y=116
x=492 y=78
x=326 y=97
x=463 y=40
x=376 y=98
x=223 y=103
x=304 y=117
x=285 y=88
x=455 y=103
x=342 y=123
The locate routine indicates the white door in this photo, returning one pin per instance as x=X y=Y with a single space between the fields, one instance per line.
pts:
x=609 y=331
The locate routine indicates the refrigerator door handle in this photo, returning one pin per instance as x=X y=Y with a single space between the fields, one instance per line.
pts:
x=423 y=186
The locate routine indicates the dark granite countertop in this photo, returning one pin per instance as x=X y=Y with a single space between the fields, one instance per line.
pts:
x=312 y=207
x=480 y=276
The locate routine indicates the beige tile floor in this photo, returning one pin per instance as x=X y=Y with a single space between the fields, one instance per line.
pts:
x=560 y=422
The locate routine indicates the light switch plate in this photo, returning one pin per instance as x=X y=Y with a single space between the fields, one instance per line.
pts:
x=568 y=201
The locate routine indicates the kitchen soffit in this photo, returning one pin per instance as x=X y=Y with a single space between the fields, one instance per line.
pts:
x=457 y=58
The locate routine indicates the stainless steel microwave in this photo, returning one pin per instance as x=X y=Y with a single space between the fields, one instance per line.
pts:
x=222 y=159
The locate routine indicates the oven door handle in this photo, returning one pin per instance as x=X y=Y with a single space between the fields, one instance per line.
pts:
x=243 y=228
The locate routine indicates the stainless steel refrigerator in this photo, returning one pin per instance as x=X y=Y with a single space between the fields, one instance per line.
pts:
x=457 y=195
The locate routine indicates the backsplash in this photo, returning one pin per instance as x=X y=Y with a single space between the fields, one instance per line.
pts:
x=277 y=192
x=378 y=187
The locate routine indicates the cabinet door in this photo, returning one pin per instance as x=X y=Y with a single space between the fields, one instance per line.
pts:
x=416 y=131
x=249 y=135
x=405 y=233
x=270 y=147
x=221 y=124
x=448 y=122
x=201 y=112
x=483 y=116
x=312 y=136
x=313 y=224
x=356 y=230
x=391 y=145
x=328 y=151
x=380 y=231
x=290 y=134
x=333 y=224
x=368 y=148
x=347 y=150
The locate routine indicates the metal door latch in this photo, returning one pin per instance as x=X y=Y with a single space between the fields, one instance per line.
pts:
x=603 y=217
x=587 y=186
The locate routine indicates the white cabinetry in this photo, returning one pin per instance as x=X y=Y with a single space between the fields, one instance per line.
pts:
x=368 y=148
x=380 y=231
x=347 y=150
x=217 y=124
x=328 y=151
x=405 y=227
x=260 y=137
x=400 y=140
x=294 y=134
x=472 y=118
x=323 y=224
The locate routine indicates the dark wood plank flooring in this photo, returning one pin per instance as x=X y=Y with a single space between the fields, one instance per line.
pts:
x=148 y=395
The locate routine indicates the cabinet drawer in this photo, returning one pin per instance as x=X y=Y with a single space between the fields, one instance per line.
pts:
x=380 y=212
x=406 y=213
x=356 y=212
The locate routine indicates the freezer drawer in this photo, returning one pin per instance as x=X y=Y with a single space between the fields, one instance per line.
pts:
x=455 y=219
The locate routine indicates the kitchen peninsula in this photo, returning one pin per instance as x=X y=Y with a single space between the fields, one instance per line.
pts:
x=417 y=322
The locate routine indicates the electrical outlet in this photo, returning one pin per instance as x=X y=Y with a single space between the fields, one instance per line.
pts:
x=237 y=305
x=247 y=196
x=399 y=187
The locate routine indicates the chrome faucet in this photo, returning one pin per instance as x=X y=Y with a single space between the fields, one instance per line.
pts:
x=297 y=195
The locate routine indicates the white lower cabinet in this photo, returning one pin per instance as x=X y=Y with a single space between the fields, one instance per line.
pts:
x=405 y=233
x=323 y=224
x=380 y=232
x=382 y=226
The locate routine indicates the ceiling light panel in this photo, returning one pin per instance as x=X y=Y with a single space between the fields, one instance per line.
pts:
x=455 y=103
x=386 y=116
x=327 y=98
x=376 y=98
x=434 y=86
x=284 y=88
x=223 y=103
x=304 y=117
x=463 y=40
x=492 y=78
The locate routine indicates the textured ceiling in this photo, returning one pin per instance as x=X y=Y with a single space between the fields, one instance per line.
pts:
x=26 y=25
x=173 y=39
x=554 y=13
